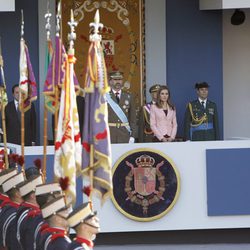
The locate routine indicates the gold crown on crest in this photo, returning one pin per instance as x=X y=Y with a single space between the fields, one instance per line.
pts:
x=145 y=161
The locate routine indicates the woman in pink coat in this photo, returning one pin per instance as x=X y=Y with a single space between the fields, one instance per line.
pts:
x=163 y=117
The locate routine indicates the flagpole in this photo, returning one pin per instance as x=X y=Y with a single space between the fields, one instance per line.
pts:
x=4 y=134
x=3 y=92
x=45 y=113
x=22 y=103
x=91 y=170
x=71 y=52
x=95 y=37
x=58 y=29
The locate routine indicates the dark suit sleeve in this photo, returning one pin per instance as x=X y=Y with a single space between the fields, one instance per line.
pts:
x=187 y=121
x=216 y=123
x=132 y=117
x=33 y=123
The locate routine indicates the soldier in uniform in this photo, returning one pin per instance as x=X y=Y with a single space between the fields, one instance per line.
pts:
x=201 y=117
x=86 y=225
x=121 y=111
x=35 y=222
x=27 y=191
x=5 y=175
x=55 y=237
x=8 y=212
x=144 y=130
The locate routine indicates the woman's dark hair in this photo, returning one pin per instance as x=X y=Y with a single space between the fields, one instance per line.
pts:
x=158 y=102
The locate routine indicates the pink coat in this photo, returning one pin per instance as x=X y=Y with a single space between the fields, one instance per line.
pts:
x=162 y=124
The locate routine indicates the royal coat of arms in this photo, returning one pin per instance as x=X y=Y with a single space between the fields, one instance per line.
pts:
x=146 y=185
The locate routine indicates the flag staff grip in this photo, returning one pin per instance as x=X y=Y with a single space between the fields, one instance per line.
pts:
x=45 y=113
x=3 y=92
x=22 y=132
x=4 y=134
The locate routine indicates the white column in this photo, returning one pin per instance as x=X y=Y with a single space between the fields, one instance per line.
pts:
x=155 y=29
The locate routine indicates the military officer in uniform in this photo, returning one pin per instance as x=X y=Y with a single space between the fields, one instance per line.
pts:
x=201 y=117
x=121 y=111
x=86 y=225
x=8 y=212
x=35 y=222
x=144 y=131
x=29 y=206
x=55 y=237
x=5 y=175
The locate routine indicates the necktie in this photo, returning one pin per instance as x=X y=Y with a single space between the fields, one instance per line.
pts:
x=203 y=104
x=117 y=97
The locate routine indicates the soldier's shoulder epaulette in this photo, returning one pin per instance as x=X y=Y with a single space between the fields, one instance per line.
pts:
x=211 y=103
x=192 y=103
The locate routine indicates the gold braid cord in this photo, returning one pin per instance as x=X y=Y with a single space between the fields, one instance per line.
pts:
x=147 y=121
x=196 y=120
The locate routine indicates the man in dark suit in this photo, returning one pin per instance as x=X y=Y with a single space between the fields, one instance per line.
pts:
x=13 y=121
x=201 y=117
x=121 y=111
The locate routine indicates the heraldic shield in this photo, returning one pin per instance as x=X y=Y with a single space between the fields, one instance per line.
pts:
x=146 y=184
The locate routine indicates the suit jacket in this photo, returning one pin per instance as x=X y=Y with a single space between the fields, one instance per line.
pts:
x=13 y=124
x=120 y=134
x=163 y=124
x=198 y=113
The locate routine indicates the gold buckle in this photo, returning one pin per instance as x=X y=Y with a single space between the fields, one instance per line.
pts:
x=118 y=125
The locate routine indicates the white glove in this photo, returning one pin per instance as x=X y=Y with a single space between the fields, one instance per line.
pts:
x=131 y=140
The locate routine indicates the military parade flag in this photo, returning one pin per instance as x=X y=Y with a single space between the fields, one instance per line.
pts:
x=27 y=82
x=96 y=138
x=56 y=76
x=68 y=148
x=48 y=55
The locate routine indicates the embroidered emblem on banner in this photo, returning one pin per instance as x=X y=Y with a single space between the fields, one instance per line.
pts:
x=145 y=184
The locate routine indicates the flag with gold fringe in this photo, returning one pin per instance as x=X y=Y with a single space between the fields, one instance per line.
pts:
x=56 y=76
x=27 y=82
x=68 y=148
x=96 y=154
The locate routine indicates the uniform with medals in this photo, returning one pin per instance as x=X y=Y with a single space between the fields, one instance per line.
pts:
x=145 y=133
x=121 y=114
x=201 y=119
